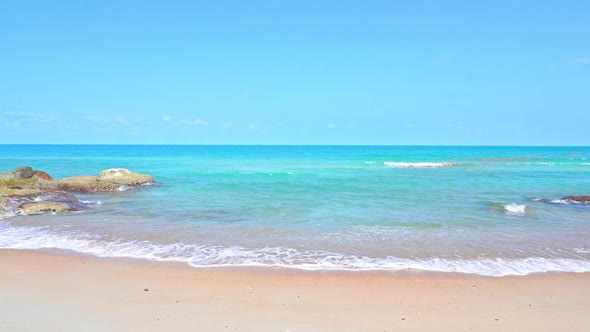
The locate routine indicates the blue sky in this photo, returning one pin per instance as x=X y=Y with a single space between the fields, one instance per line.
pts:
x=295 y=72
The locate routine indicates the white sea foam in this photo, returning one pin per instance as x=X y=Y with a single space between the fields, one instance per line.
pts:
x=123 y=188
x=585 y=164
x=515 y=208
x=370 y=162
x=560 y=201
x=418 y=165
x=92 y=202
x=27 y=237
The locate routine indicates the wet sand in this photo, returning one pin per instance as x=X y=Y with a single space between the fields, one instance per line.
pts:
x=47 y=292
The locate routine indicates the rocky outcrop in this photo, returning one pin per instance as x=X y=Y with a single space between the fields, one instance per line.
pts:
x=27 y=191
x=584 y=199
x=44 y=176
x=25 y=181
x=124 y=177
x=115 y=179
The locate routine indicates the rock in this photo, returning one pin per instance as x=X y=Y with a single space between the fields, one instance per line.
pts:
x=584 y=199
x=124 y=176
x=44 y=176
x=20 y=192
x=18 y=183
x=83 y=183
x=27 y=191
x=44 y=207
x=6 y=177
x=116 y=179
x=23 y=172
x=62 y=197
x=58 y=201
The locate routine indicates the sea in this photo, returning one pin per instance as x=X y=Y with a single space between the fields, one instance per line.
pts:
x=488 y=210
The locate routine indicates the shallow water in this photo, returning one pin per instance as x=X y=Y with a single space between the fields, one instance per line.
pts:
x=460 y=209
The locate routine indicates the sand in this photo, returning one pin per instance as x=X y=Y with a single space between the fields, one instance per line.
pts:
x=48 y=292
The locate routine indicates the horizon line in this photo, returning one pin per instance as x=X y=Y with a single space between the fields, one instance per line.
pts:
x=359 y=145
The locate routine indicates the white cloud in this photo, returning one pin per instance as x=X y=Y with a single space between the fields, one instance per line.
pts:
x=167 y=118
x=196 y=122
x=119 y=119
x=581 y=61
x=331 y=126
x=99 y=119
x=29 y=116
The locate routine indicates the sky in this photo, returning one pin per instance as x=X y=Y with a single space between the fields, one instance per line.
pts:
x=295 y=72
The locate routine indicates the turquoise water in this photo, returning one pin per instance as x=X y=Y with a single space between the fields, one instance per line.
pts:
x=484 y=210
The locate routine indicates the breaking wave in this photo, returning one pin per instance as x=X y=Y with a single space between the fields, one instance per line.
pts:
x=515 y=208
x=29 y=237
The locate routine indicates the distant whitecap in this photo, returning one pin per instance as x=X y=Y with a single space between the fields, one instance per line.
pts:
x=418 y=165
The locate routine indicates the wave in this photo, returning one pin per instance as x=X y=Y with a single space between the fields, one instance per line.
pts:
x=419 y=165
x=92 y=202
x=514 y=208
x=34 y=238
x=560 y=201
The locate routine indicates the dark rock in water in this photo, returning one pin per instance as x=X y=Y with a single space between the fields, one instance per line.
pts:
x=57 y=201
x=24 y=172
x=64 y=198
x=43 y=176
x=584 y=199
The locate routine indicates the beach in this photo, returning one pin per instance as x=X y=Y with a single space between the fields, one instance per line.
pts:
x=49 y=292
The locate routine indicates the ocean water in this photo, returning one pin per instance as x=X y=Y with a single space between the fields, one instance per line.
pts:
x=486 y=210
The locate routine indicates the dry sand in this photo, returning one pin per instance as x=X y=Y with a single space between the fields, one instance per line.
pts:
x=45 y=292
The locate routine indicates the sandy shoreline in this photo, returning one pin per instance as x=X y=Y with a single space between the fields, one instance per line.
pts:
x=45 y=292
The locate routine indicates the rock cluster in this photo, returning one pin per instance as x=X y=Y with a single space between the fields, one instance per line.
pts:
x=28 y=191
x=585 y=199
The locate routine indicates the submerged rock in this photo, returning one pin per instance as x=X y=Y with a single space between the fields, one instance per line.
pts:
x=584 y=199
